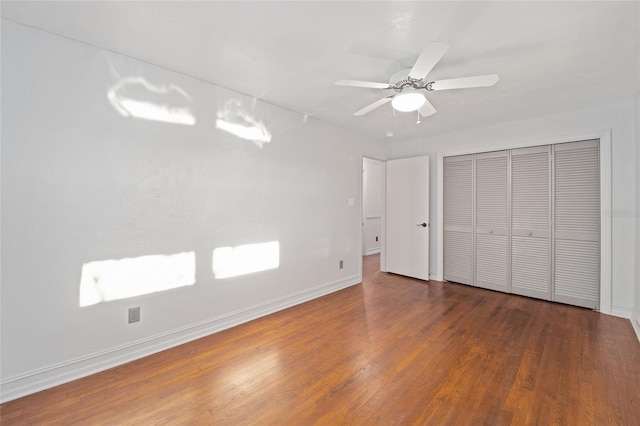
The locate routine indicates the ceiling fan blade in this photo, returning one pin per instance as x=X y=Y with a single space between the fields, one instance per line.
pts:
x=373 y=106
x=428 y=59
x=358 y=83
x=465 y=82
x=427 y=109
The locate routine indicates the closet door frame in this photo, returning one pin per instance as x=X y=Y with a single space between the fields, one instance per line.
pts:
x=604 y=138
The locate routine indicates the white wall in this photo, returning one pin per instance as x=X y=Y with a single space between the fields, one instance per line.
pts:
x=371 y=206
x=635 y=320
x=83 y=183
x=636 y=311
x=619 y=118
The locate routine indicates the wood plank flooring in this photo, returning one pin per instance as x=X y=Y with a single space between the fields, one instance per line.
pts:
x=391 y=350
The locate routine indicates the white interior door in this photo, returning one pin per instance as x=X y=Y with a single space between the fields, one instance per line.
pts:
x=407 y=217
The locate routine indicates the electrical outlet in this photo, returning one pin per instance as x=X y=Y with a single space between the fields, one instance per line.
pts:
x=341 y=264
x=134 y=314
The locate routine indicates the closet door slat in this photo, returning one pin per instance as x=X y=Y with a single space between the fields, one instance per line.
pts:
x=458 y=219
x=531 y=222
x=492 y=266
x=577 y=224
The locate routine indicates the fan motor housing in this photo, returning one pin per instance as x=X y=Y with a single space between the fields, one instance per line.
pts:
x=401 y=79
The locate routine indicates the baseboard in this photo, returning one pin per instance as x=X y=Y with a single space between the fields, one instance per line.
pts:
x=635 y=322
x=369 y=252
x=621 y=311
x=58 y=374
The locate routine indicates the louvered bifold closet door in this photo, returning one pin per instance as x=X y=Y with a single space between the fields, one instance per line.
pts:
x=458 y=219
x=577 y=224
x=492 y=259
x=531 y=222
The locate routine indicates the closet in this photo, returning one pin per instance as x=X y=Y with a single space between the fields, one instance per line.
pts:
x=525 y=221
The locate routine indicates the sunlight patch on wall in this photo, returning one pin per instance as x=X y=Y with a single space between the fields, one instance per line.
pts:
x=256 y=133
x=245 y=259
x=138 y=98
x=107 y=280
x=235 y=120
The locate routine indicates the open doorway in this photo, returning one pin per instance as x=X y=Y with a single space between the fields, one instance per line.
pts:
x=372 y=206
x=395 y=215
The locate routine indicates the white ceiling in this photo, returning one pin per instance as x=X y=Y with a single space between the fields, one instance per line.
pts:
x=551 y=56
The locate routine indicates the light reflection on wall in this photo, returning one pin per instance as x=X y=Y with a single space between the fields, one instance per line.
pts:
x=245 y=259
x=138 y=98
x=107 y=280
x=256 y=133
x=234 y=119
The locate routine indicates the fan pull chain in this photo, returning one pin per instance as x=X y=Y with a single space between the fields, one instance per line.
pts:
x=418 y=122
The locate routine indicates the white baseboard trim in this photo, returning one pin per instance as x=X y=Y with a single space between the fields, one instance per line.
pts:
x=635 y=322
x=621 y=311
x=372 y=251
x=54 y=375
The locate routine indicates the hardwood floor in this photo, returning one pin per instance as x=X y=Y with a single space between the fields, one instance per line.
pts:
x=389 y=351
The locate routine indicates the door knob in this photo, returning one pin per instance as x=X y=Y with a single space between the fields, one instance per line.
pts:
x=424 y=225
x=530 y=233
x=491 y=231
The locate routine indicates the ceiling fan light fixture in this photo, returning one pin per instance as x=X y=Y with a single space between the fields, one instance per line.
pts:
x=409 y=84
x=408 y=100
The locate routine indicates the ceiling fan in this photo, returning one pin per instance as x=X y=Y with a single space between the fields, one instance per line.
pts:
x=409 y=83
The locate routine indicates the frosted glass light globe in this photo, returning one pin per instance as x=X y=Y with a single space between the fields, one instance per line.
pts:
x=408 y=100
